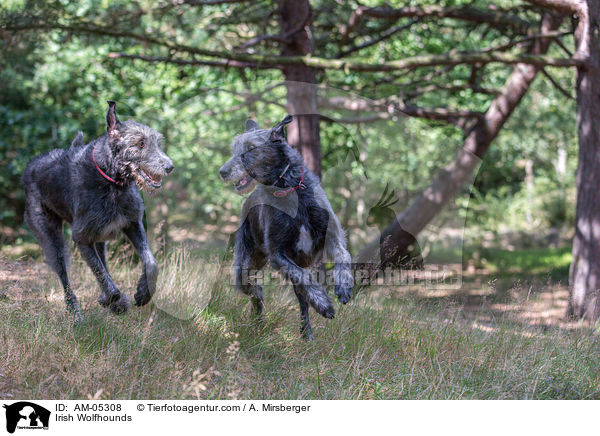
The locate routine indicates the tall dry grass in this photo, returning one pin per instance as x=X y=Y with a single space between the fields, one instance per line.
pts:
x=198 y=340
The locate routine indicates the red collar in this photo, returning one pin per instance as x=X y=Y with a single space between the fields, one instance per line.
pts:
x=106 y=176
x=285 y=192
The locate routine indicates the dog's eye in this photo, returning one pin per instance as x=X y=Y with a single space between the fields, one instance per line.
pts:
x=251 y=147
x=142 y=144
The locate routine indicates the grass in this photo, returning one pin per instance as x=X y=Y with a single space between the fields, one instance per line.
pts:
x=198 y=340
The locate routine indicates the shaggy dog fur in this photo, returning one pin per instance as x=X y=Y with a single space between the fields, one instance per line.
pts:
x=93 y=187
x=286 y=221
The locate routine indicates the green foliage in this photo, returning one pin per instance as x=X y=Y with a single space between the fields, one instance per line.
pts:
x=53 y=83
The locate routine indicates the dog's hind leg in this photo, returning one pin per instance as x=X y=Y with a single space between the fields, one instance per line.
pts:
x=47 y=228
x=110 y=292
x=147 y=283
x=305 y=328
x=312 y=291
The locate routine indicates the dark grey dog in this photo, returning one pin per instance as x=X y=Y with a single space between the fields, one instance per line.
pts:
x=93 y=187
x=286 y=221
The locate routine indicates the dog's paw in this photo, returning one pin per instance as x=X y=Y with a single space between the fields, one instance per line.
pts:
x=343 y=293
x=76 y=318
x=120 y=306
x=327 y=310
x=107 y=298
x=142 y=297
x=143 y=294
x=329 y=313
x=320 y=301
x=307 y=333
x=74 y=310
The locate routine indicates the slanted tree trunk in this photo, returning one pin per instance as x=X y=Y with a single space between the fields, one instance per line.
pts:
x=585 y=269
x=455 y=175
x=303 y=133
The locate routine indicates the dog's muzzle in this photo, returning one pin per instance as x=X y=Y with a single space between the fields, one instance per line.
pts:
x=242 y=181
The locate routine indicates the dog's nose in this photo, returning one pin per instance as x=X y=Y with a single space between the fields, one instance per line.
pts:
x=169 y=168
x=223 y=173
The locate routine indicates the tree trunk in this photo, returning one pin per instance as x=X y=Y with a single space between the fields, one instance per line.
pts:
x=585 y=269
x=456 y=174
x=303 y=133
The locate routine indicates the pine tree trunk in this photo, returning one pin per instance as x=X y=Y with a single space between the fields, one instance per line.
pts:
x=303 y=133
x=585 y=269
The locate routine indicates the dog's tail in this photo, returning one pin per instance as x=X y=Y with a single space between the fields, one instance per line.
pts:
x=78 y=141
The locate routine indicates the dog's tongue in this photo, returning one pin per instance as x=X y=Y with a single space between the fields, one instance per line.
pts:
x=243 y=181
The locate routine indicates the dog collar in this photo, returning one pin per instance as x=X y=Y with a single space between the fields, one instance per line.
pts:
x=106 y=176
x=285 y=192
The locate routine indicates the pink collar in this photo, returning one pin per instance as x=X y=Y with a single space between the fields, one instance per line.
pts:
x=285 y=192
x=106 y=176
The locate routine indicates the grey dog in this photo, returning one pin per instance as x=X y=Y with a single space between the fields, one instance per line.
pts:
x=93 y=187
x=286 y=221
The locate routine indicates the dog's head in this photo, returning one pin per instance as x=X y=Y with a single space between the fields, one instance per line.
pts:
x=259 y=156
x=137 y=151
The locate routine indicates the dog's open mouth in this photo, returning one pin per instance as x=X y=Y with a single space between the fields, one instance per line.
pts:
x=243 y=184
x=150 y=180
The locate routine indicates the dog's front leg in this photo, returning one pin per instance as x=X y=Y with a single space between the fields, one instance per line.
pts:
x=342 y=272
x=246 y=263
x=111 y=296
x=335 y=247
x=147 y=283
x=306 y=284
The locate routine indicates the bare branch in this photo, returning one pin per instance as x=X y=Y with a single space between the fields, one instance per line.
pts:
x=497 y=19
x=207 y=2
x=557 y=85
x=552 y=35
x=454 y=86
x=259 y=39
x=356 y=120
x=249 y=98
x=222 y=63
x=393 y=107
x=572 y=7
x=564 y=6
x=563 y=47
x=385 y=35
x=243 y=60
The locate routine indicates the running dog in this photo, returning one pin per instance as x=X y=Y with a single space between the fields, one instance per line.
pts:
x=287 y=221
x=93 y=187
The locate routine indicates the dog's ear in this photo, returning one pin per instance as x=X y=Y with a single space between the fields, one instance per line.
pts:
x=112 y=121
x=78 y=140
x=278 y=132
x=251 y=125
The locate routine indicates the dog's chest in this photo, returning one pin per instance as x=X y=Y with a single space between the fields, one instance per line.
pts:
x=110 y=214
x=312 y=228
x=113 y=226
x=305 y=241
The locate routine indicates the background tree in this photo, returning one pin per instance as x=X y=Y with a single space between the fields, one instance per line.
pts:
x=480 y=60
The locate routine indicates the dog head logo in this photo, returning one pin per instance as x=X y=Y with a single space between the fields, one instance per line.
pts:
x=26 y=415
